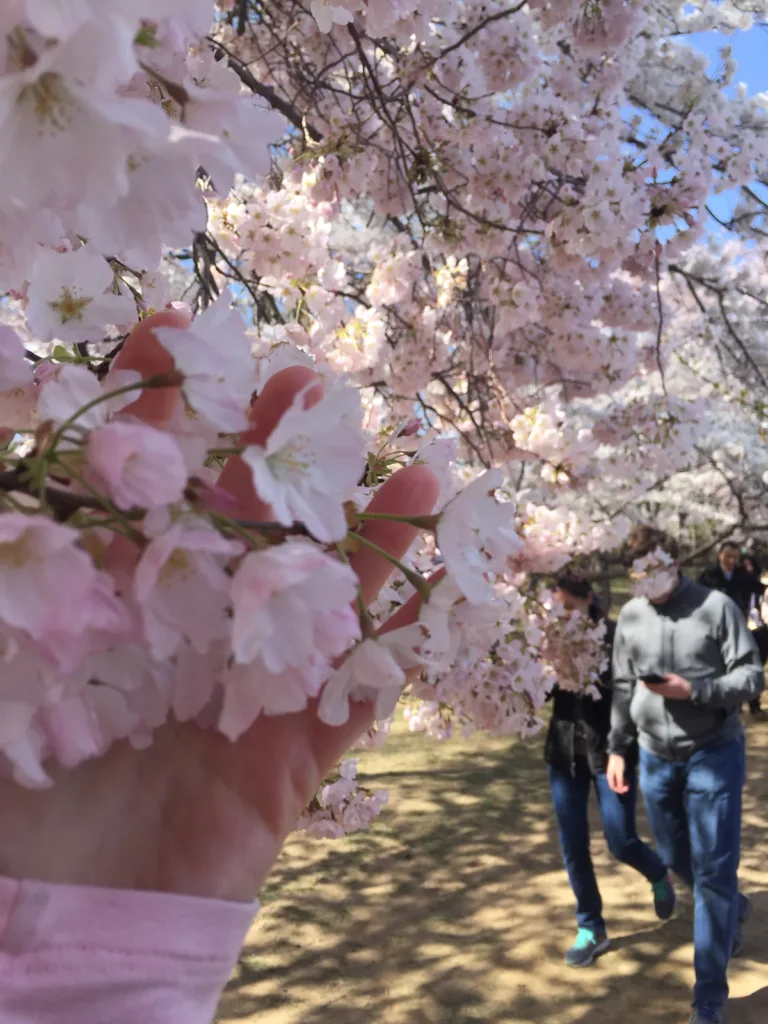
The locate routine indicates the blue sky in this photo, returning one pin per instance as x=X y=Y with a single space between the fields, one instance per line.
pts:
x=750 y=50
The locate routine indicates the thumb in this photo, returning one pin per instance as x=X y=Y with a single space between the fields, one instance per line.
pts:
x=144 y=353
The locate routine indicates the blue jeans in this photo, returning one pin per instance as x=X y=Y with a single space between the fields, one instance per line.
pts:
x=694 y=810
x=570 y=797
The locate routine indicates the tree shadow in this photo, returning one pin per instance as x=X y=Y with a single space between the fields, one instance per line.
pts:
x=752 y=1009
x=455 y=909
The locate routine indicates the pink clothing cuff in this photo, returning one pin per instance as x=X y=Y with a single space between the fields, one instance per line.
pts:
x=81 y=955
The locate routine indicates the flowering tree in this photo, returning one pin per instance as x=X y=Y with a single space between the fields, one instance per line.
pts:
x=443 y=242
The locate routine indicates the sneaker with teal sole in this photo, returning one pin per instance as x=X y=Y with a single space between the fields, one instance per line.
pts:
x=664 y=898
x=587 y=948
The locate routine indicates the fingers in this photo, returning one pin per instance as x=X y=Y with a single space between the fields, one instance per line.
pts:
x=409 y=612
x=412 y=491
x=143 y=353
x=276 y=398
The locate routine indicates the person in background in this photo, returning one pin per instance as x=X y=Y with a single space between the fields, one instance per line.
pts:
x=683 y=664
x=576 y=752
x=732 y=578
x=741 y=583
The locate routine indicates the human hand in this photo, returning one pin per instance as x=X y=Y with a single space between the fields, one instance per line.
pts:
x=196 y=813
x=616 y=774
x=674 y=687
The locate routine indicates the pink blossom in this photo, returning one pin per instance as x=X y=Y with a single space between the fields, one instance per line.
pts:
x=280 y=586
x=327 y=14
x=181 y=588
x=251 y=690
x=311 y=463
x=17 y=401
x=64 y=111
x=68 y=297
x=476 y=535
x=369 y=673
x=214 y=355
x=48 y=585
x=66 y=389
x=141 y=466
x=277 y=666
x=655 y=575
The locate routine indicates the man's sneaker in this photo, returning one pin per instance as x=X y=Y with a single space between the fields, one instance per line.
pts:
x=707 y=1014
x=587 y=948
x=745 y=912
x=664 y=898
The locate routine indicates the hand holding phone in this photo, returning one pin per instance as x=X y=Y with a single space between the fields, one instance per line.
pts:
x=670 y=686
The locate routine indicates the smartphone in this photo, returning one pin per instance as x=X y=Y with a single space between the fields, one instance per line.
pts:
x=653 y=679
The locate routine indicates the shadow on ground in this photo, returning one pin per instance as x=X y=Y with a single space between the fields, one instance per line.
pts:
x=455 y=909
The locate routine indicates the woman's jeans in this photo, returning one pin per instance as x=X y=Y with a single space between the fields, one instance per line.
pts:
x=570 y=797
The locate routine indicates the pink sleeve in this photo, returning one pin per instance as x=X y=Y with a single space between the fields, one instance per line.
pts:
x=79 y=955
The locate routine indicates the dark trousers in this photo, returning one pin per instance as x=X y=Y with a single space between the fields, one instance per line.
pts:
x=570 y=797
x=694 y=810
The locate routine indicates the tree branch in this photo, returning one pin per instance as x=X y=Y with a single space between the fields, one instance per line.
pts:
x=246 y=76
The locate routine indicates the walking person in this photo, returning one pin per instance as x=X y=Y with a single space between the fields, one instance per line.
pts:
x=732 y=578
x=683 y=663
x=740 y=581
x=576 y=752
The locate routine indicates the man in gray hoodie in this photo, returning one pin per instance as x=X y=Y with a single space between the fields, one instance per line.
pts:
x=683 y=664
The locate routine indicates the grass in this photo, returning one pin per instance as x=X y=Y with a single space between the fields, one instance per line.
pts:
x=454 y=908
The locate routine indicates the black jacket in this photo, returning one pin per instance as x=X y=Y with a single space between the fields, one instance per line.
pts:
x=740 y=587
x=569 y=708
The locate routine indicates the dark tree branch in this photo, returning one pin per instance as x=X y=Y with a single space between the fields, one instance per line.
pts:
x=246 y=76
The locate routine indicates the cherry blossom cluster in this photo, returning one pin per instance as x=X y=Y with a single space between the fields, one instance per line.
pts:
x=506 y=195
x=134 y=590
x=342 y=806
x=127 y=104
x=480 y=225
x=655 y=575
x=510 y=654
x=572 y=646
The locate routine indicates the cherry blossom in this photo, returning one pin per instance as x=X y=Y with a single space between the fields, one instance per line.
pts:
x=327 y=14
x=182 y=589
x=68 y=297
x=49 y=586
x=370 y=672
x=215 y=358
x=67 y=390
x=655 y=575
x=342 y=806
x=141 y=467
x=64 y=111
x=295 y=582
x=17 y=400
x=311 y=463
x=477 y=536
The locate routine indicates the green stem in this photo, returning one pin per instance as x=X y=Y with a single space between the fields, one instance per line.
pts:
x=226 y=451
x=130 y=531
x=159 y=380
x=421 y=522
x=366 y=622
x=418 y=582
x=231 y=524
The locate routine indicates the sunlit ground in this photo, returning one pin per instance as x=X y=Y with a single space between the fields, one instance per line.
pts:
x=454 y=908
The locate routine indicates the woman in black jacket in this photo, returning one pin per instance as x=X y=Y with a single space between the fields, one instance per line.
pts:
x=576 y=752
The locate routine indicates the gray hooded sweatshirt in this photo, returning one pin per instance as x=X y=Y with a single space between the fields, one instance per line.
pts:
x=701 y=635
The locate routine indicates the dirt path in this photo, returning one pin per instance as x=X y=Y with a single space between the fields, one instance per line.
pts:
x=455 y=909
